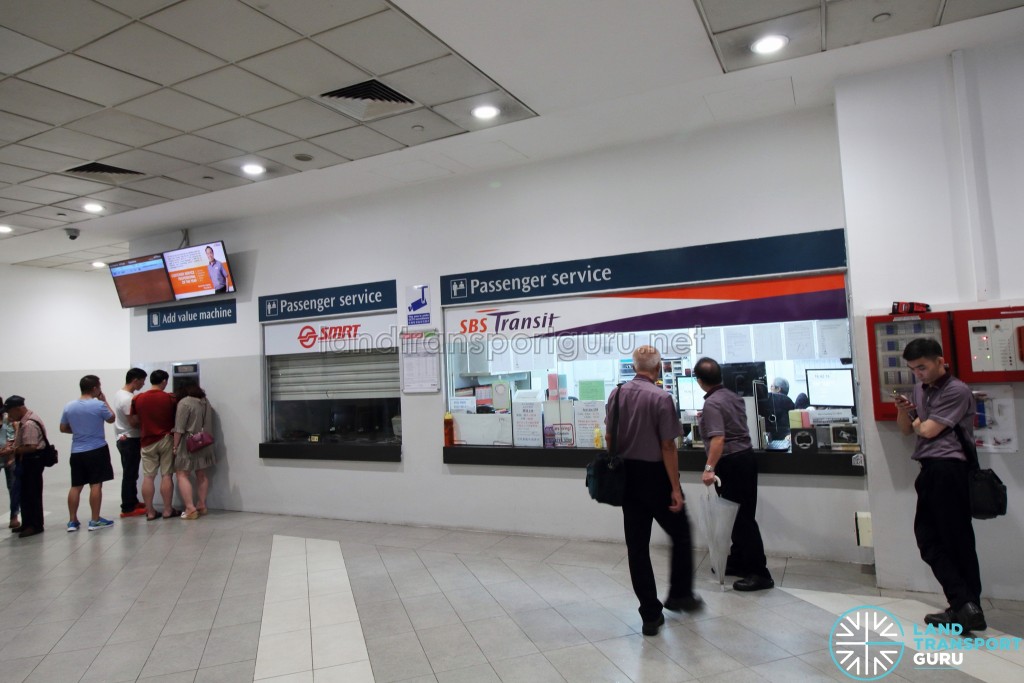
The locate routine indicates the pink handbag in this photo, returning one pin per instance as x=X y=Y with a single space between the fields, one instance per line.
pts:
x=198 y=441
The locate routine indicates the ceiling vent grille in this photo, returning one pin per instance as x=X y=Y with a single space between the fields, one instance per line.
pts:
x=367 y=100
x=105 y=172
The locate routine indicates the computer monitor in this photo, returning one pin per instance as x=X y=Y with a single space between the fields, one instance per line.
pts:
x=689 y=395
x=740 y=377
x=831 y=388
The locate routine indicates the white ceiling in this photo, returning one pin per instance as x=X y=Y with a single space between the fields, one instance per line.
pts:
x=184 y=91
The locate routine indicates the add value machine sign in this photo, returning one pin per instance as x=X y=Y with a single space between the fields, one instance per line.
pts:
x=191 y=315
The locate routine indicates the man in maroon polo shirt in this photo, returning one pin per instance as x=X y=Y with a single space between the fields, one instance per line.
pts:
x=155 y=411
x=647 y=427
x=942 y=524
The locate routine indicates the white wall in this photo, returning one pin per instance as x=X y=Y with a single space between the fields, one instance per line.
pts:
x=931 y=173
x=777 y=176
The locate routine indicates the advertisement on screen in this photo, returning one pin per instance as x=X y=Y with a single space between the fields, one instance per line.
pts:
x=199 y=270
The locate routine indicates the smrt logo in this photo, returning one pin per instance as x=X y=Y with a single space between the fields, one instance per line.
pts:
x=866 y=643
x=307 y=337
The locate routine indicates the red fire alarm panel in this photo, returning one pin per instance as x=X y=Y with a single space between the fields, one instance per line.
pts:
x=888 y=335
x=990 y=344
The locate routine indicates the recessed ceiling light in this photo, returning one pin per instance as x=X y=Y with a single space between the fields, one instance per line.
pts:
x=99 y=264
x=486 y=111
x=253 y=169
x=6 y=228
x=302 y=156
x=93 y=208
x=769 y=44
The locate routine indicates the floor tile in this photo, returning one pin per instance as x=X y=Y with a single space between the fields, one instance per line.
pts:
x=63 y=667
x=338 y=644
x=397 y=657
x=527 y=669
x=176 y=653
x=450 y=647
x=284 y=653
x=584 y=664
x=548 y=629
x=356 y=672
x=500 y=638
x=231 y=644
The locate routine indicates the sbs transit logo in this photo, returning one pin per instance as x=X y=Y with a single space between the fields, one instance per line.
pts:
x=307 y=337
x=866 y=643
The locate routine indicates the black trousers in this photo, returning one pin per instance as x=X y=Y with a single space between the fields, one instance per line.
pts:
x=31 y=492
x=945 y=531
x=738 y=472
x=131 y=455
x=648 y=495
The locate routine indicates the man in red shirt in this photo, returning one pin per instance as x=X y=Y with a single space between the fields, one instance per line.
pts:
x=155 y=410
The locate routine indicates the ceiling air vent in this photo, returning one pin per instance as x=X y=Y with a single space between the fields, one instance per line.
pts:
x=105 y=172
x=367 y=100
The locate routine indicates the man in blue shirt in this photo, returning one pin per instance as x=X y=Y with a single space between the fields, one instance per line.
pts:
x=84 y=420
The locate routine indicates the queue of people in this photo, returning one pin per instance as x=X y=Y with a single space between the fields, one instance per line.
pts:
x=152 y=430
x=641 y=423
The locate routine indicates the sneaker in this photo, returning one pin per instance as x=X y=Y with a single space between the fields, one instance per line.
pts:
x=74 y=526
x=100 y=524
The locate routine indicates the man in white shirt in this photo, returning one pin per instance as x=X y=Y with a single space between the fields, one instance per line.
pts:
x=126 y=427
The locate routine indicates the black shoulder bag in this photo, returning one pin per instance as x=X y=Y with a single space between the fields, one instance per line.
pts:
x=48 y=453
x=987 y=490
x=606 y=474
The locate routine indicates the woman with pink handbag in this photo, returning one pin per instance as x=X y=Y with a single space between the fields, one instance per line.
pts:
x=193 y=447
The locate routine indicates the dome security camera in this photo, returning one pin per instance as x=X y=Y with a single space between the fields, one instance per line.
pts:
x=72 y=233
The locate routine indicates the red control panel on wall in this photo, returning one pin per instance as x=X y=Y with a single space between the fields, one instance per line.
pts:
x=990 y=344
x=888 y=335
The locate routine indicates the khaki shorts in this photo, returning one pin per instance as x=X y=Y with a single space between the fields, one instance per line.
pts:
x=158 y=456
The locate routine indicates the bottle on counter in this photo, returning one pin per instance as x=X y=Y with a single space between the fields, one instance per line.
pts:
x=598 y=441
x=449 y=428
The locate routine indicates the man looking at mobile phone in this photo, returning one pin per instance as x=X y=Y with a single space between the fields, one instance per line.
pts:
x=942 y=523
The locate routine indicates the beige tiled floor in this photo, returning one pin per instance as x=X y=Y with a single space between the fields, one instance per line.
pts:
x=243 y=597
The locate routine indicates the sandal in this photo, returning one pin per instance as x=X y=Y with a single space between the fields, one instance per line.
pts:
x=153 y=518
x=202 y=511
x=174 y=513
x=190 y=515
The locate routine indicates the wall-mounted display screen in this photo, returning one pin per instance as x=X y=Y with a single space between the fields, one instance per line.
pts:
x=141 y=281
x=831 y=388
x=199 y=270
x=689 y=396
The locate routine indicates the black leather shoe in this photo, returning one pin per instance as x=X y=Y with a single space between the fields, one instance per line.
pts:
x=754 y=583
x=650 y=628
x=944 y=618
x=692 y=603
x=971 y=618
x=16 y=529
x=27 y=531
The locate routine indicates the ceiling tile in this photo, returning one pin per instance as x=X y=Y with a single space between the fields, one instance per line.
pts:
x=803 y=30
x=116 y=125
x=112 y=249
x=85 y=267
x=305 y=68
x=149 y=163
x=460 y=112
x=246 y=135
x=382 y=43
x=88 y=80
x=26 y=193
x=202 y=22
x=958 y=10
x=22 y=220
x=37 y=159
x=42 y=104
x=137 y=8
x=74 y=206
x=208 y=178
x=14 y=127
x=236 y=90
x=165 y=187
x=195 y=149
x=275 y=169
x=40 y=263
x=176 y=110
x=15 y=206
x=304 y=119
x=285 y=154
x=18 y=52
x=723 y=15
x=132 y=198
x=146 y=52
x=416 y=127
x=60 y=214
x=442 y=80
x=357 y=143
x=16 y=174
x=311 y=16
x=63 y=183
x=63 y=24
x=72 y=142
x=850 y=22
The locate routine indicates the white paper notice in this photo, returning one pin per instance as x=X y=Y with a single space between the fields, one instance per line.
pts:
x=462 y=404
x=708 y=342
x=527 y=424
x=834 y=339
x=589 y=416
x=421 y=362
x=996 y=409
x=738 y=346
x=799 y=340
x=768 y=341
